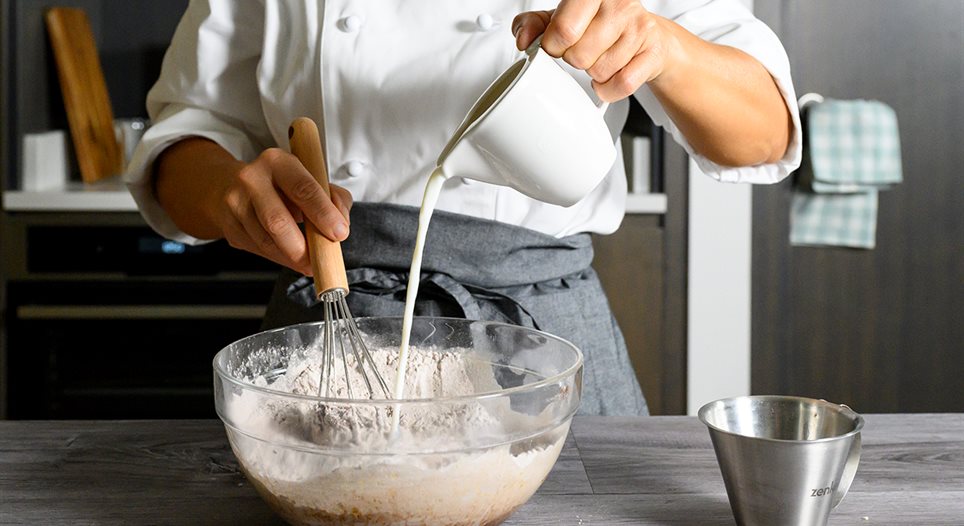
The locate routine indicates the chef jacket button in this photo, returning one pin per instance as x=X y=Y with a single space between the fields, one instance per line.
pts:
x=355 y=168
x=351 y=23
x=485 y=21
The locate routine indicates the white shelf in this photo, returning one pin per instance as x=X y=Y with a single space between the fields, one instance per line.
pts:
x=109 y=195
x=646 y=204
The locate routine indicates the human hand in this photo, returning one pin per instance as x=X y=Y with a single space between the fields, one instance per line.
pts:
x=618 y=42
x=260 y=208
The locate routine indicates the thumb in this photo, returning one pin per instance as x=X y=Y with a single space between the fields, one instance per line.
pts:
x=529 y=25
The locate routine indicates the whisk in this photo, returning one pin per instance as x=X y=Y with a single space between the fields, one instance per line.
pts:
x=341 y=336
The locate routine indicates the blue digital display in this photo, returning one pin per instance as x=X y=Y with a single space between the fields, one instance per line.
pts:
x=172 y=247
x=157 y=245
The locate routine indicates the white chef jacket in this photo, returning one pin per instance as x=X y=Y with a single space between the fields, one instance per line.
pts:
x=388 y=82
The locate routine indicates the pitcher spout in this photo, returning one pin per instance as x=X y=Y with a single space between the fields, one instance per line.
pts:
x=467 y=162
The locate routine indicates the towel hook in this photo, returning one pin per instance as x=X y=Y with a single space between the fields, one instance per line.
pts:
x=809 y=98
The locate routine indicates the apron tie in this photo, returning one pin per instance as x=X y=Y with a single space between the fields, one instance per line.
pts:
x=380 y=292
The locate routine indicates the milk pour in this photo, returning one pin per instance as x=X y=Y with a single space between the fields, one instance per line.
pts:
x=432 y=190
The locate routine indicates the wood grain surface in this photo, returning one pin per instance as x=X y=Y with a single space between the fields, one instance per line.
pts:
x=89 y=111
x=612 y=471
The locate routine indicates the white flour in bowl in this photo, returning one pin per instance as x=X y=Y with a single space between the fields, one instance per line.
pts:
x=432 y=472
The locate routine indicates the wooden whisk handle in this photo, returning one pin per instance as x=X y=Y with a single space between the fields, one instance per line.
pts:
x=327 y=263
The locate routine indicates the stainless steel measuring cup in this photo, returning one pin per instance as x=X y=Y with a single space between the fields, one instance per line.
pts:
x=785 y=460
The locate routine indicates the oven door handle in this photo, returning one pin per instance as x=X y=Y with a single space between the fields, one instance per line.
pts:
x=140 y=312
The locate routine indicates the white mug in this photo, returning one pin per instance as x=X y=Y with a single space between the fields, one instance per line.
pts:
x=535 y=130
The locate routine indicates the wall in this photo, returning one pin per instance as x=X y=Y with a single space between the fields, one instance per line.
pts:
x=718 y=304
x=880 y=330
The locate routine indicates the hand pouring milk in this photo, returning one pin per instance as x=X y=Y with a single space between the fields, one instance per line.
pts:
x=534 y=130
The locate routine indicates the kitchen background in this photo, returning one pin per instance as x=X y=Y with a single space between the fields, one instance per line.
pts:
x=103 y=319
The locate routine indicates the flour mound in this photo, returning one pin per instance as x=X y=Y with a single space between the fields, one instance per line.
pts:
x=430 y=374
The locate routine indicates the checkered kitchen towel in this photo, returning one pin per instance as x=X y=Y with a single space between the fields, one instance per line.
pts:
x=854 y=152
x=848 y=220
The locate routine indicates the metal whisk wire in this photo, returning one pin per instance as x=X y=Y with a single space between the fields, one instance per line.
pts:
x=342 y=333
x=331 y=282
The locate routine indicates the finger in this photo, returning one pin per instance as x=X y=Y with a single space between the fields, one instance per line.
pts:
x=300 y=186
x=529 y=25
x=292 y=209
x=255 y=198
x=238 y=238
x=343 y=200
x=262 y=243
x=602 y=33
x=568 y=24
x=626 y=81
x=615 y=58
x=277 y=222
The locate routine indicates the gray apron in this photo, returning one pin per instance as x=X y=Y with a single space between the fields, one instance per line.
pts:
x=481 y=270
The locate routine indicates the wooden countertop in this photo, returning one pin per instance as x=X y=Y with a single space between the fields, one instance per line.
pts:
x=613 y=471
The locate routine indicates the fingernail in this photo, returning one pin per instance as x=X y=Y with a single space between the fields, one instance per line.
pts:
x=340 y=230
x=344 y=212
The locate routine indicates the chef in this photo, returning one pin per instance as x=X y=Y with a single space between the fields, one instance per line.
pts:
x=388 y=82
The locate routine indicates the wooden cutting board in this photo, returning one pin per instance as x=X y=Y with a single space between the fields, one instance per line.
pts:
x=86 y=100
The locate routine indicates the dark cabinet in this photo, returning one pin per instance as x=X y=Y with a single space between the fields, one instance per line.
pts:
x=106 y=319
x=101 y=317
x=642 y=267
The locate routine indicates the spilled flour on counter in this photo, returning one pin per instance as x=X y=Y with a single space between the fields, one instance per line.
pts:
x=341 y=464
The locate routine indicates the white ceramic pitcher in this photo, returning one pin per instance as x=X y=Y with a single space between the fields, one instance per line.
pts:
x=535 y=130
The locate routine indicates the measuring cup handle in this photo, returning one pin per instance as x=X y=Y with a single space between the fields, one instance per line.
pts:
x=849 y=472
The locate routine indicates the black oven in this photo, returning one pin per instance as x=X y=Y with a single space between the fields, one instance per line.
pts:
x=116 y=322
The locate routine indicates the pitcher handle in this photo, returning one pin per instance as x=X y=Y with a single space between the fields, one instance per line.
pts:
x=849 y=472
x=533 y=48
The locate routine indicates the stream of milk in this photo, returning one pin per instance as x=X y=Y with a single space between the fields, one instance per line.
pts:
x=430 y=197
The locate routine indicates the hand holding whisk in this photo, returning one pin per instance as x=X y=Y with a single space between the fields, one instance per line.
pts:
x=341 y=335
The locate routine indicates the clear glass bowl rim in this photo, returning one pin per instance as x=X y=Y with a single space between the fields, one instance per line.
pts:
x=556 y=378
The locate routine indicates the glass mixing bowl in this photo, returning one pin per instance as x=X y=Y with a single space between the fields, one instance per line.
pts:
x=467 y=457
